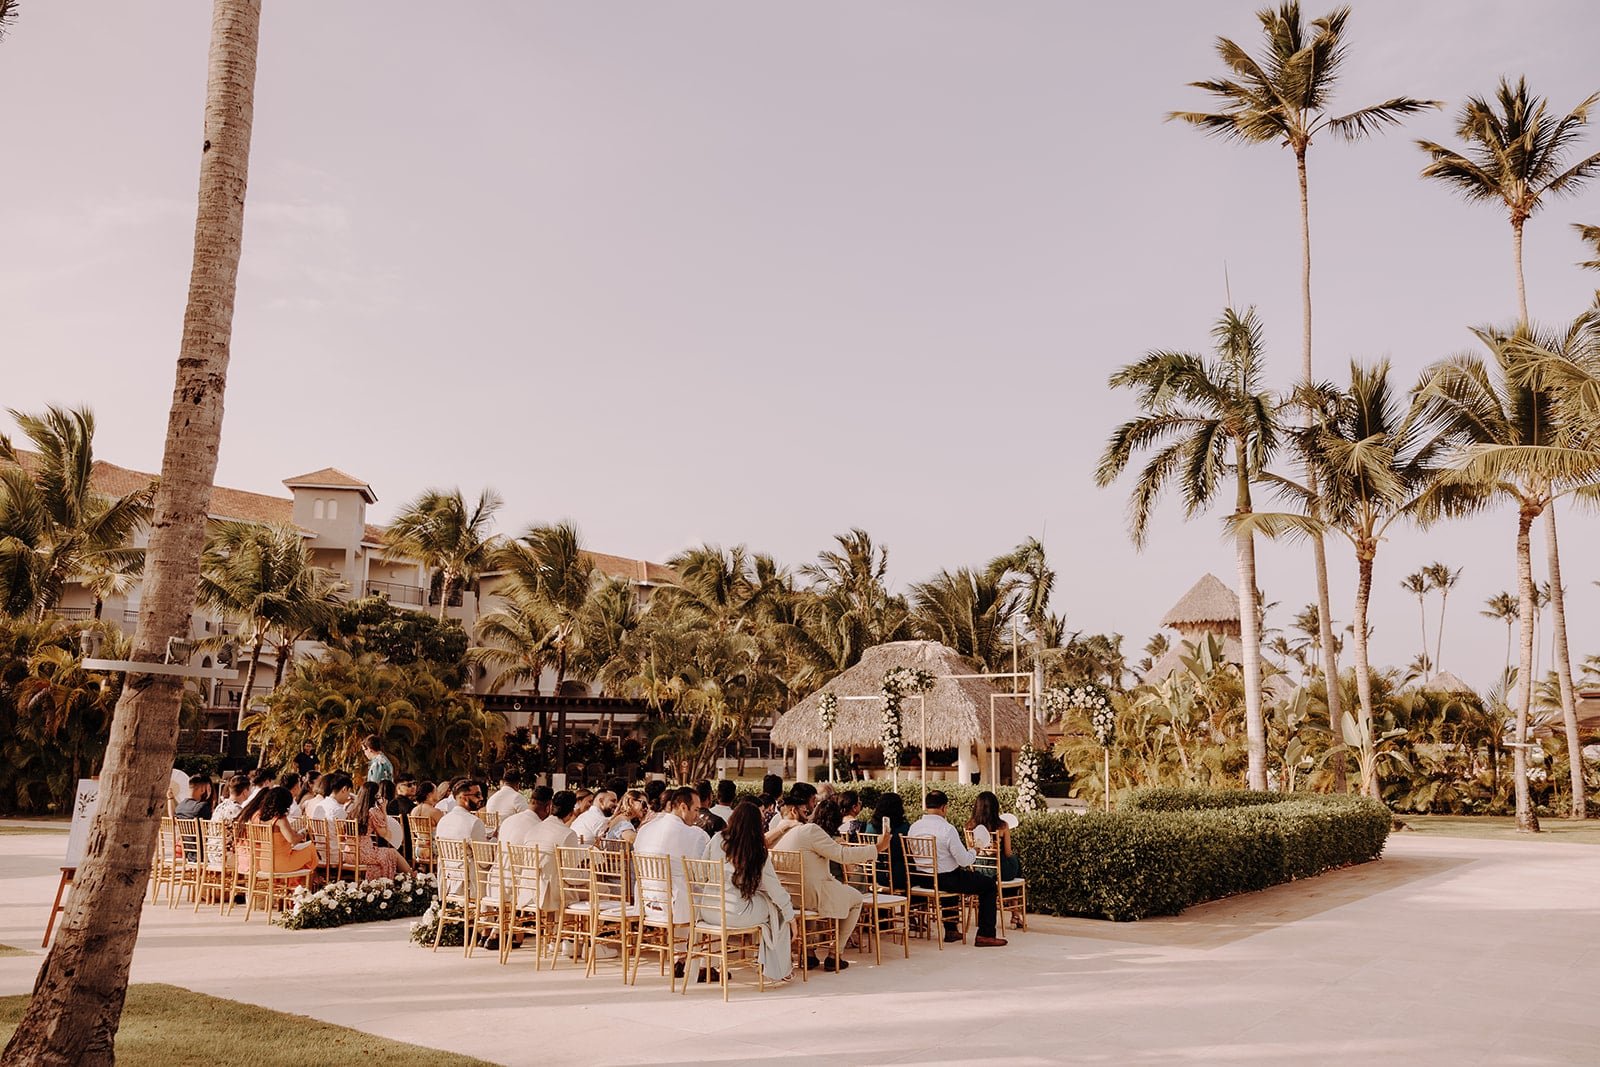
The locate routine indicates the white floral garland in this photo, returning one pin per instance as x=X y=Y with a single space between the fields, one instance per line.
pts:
x=828 y=705
x=1028 y=795
x=1085 y=696
x=897 y=682
x=373 y=900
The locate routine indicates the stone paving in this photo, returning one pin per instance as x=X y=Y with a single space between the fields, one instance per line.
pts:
x=1446 y=951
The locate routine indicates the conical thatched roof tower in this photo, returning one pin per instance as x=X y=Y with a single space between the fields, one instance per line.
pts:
x=1445 y=682
x=1209 y=607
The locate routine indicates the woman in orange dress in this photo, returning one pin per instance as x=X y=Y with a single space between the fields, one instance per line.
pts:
x=292 y=851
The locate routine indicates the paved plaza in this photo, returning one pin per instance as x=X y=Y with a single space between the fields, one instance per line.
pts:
x=1446 y=951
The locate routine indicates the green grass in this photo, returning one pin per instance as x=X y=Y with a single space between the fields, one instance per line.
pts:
x=1502 y=828
x=6 y=828
x=164 y=1025
x=7 y=950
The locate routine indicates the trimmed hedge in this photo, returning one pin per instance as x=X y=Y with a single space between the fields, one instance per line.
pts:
x=1170 y=848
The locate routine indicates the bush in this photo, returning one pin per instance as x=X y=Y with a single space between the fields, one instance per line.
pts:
x=1170 y=848
x=373 y=900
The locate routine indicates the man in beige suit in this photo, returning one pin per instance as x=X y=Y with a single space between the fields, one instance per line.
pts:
x=825 y=894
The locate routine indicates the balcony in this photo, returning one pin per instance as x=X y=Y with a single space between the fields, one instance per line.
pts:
x=395 y=593
x=75 y=613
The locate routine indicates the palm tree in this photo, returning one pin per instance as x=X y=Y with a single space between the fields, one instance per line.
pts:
x=1515 y=154
x=78 y=996
x=1416 y=583
x=971 y=611
x=1503 y=607
x=1282 y=98
x=439 y=531
x=54 y=525
x=1517 y=447
x=1592 y=235
x=1373 y=457
x=1208 y=421
x=1442 y=578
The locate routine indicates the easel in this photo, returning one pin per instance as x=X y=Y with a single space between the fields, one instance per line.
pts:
x=67 y=874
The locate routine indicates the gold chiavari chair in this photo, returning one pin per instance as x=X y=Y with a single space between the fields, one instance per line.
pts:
x=711 y=939
x=219 y=867
x=164 y=865
x=491 y=820
x=262 y=878
x=325 y=840
x=613 y=916
x=929 y=906
x=491 y=910
x=347 y=835
x=882 y=912
x=658 y=932
x=1011 y=895
x=188 y=860
x=529 y=875
x=811 y=931
x=421 y=841
x=457 y=891
x=574 y=881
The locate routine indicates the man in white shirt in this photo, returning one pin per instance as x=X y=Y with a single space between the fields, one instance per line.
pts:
x=674 y=835
x=461 y=822
x=727 y=793
x=551 y=833
x=955 y=872
x=592 y=823
x=335 y=804
x=508 y=799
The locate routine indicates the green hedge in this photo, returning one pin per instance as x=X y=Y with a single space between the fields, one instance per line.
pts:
x=1168 y=849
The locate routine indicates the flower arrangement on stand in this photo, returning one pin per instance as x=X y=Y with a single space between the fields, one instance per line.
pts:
x=1028 y=796
x=1096 y=702
x=897 y=683
x=373 y=900
x=828 y=706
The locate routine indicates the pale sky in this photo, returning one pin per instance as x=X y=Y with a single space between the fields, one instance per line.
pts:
x=758 y=273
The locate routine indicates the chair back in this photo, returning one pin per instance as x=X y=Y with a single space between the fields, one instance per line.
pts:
x=487 y=874
x=491 y=820
x=299 y=824
x=188 y=831
x=217 y=838
x=421 y=840
x=526 y=873
x=577 y=878
x=653 y=878
x=258 y=847
x=322 y=838
x=707 y=885
x=608 y=885
x=455 y=882
x=791 y=870
x=921 y=857
x=166 y=841
x=349 y=833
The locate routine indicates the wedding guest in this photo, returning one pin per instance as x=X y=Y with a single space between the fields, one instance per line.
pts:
x=956 y=875
x=755 y=896
x=771 y=786
x=260 y=779
x=630 y=814
x=589 y=825
x=727 y=794
x=889 y=820
x=447 y=796
x=422 y=801
x=672 y=833
x=826 y=896
x=850 y=807
x=291 y=849
x=296 y=786
x=702 y=789
x=543 y=796
x=654 y=790
x=233 y=799
x=335 y=803
x=508 y=799
x=988 y=828
x=378 y=765
x=461 y=823
x=379 y=857
x=585 y=801
x=791 y=813
x=198 y=803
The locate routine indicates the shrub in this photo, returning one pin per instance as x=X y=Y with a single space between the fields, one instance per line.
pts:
x=374 y=900
x=1170 y=848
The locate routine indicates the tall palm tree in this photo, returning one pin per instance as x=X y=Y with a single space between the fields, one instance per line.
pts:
x=1282 y=98
x=78 y=997
x=1374 y=457
x=1503 y=607
x=1209 y=422
x=438 y=530
x=261 y=578
x=1416 y=583
x=971 y=611
x=1443 y=579
x=1517 y=448
x=1516 y=154
x=54 y=525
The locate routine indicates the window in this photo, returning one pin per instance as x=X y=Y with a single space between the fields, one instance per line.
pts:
x=316 y=508
x=333 y=509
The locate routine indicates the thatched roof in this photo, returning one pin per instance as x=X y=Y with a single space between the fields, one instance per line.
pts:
x=1445 y=682
x=1208 y=602
x=958 y=710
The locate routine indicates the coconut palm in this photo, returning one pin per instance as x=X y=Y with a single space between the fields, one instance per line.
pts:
x=1590 y=234
x=1516 y=153
x=1374 y=457
x=1282 y=98
x=438 y=530
x=262 y=579
x=1516 y=448
x=78 y=996
x=1442 y=579
x=54 y=525
x=1416 y=583
x=1503 y=607
x=971 y=611
x=1208 y=422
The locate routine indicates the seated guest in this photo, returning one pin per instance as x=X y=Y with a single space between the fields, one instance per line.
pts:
x=755 y=896
x=295 y=785
x=772 y=786
x=955 y=872
x=550 y=833
x=727 y=794
x=461 y=823
x=422 y=801
x=629 y=816
x=291 y=849
x=702 y=789
x=850 y=807
x=889 y=820
x=826 y=791
x=260 y=779
x=197 y=805
x=825 y=894
x=673 y=834
x=654 y=790
x=404 y=798
x=233 y=799
x=808 y=795
x=543 y=798
x=379 y=858
x=769 y=808
x=310 y=790
x=589 y=825
x=869 y=806
x=335 y=803
x=711 y=823
x=508 y=799
x=585 y=801
x=989 y=829
x=791 y=813
x=447 y=796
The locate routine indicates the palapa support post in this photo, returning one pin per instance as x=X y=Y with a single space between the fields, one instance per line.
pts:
x=922 y=705
x=1107 y=753
x=831 y=776
x=67 y=874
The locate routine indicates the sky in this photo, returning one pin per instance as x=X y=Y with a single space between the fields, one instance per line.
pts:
x=690 y=272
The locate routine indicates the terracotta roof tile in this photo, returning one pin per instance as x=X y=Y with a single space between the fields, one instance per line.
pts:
x=332 y=477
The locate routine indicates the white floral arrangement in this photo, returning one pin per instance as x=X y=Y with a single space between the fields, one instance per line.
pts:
x=425 y=929
x=897 y=683
x=828 y=705
x=1028 y=796
x=1537 y=774
x=373 y=900
x=1087 y=697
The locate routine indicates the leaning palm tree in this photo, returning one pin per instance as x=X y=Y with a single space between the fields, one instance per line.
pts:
x=1516 y=154
x=78 y=996
x=54 y=525
x=1503 y=608
x=1416 y=583
x=1516 y=448
x=1209 y=423
x=438 y=530
x=1374 y=457
x=1282 y=98
x=1443 y=579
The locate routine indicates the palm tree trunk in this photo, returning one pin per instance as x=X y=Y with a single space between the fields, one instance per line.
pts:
x=1364 y=561
x=1422 y=615
x=78 y=997
x=250 y=677
x=1527 y=821
x=1250 y=637
x=1438 y=639
x=444 y=592
x=1569 y=704
x=1522 y=289
x=1508 y=649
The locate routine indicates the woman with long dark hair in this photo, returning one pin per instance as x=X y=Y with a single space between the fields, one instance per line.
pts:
x=988 y=829
x=755 y=895
x=890 y=819
x=378 y=858
x=291 y=849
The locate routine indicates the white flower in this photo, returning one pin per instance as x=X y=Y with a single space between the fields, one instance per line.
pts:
x=383 y=905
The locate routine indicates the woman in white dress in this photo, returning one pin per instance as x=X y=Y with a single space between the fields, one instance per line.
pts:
x=755 y=895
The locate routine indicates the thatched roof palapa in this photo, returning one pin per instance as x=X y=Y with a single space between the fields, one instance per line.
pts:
x=1209 y=605
x=958 y=709
x=1445 y=682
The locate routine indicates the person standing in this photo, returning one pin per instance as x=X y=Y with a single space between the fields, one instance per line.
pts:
x=305 y=761
x=955 y=861
x=379 y=769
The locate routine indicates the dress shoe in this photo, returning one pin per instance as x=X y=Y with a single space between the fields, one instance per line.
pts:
x=953 y=936
x=988 y=942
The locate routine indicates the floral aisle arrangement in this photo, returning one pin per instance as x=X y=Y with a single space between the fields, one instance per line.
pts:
x=425 y=929
x=897 y=684
x=828 y=707
x=1096 y=702
x=1028 y=796
x=374 y=900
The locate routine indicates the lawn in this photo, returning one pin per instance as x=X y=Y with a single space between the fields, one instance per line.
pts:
x=7 y=950
x=11 y=828
x=1502 y=828
x=165 y=1026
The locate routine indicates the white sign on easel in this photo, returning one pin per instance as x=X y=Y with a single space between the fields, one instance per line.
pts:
x=85 y=802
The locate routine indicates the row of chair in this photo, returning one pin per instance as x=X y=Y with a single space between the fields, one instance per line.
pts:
x=204 y=859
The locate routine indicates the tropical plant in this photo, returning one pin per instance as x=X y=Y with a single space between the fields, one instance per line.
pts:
x=970 y=611
x=1282 y=98
x=1416 y=583
x=54 y=525
x=1209 y=423
x=1441 y=579
x=78 y=996
x=441 y=532
x=1503 y=607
